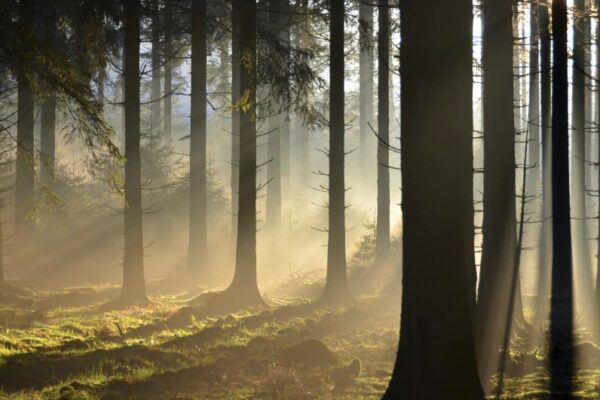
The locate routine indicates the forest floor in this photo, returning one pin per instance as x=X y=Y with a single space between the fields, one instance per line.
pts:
x=66 y=345
x=63 y=345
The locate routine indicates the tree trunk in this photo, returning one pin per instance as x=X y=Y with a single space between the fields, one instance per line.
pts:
x=236 y=67
x=24 y=187
x=581 y=262
x=244 y=283
x=48 y=140
x=436 y=358
x=597 y=292
x=275 y=136
x=336 y=287
x=534 y=117
x=499 y=209
x=546 y=234
x=168 y=73
x=198 y=240
x=561 y=307
x=366 y=149
x=382 y=241
x=156 y=69
x=133 y=262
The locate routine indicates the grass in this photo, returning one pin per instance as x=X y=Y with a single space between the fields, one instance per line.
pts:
x=170 y=351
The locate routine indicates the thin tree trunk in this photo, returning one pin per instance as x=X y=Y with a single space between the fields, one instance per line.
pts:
x=275 y=136
x=168 y=73
x=366 y=149
x=24 y=187
x=436 y=358
x=198 y=239
x=382 y=241
x=561 y=308
x=48 y=140
x=236 y=67
x=499 y=218
x=336 y=287
x=156 y=68
x=244 y=284
x=546 y=234
x=133 y=262
x=597 y=292
x=581 y=262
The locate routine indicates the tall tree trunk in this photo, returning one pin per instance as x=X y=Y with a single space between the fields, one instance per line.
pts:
x=581 y=262
x=236 y=68
x=275 y=129
x=499 y=212
x=244 y=284
x=198 y=240
x=156 y=69
x=561 y=307
x=336 y=287
x=48 y=140
x=133 y=262
x=534 y=118
x=48 y=126
x=546 y=234
x=168 y=73
x=382 y=241
x=301 y=131
x=597 y=292
x=365 y=147
x=25 y=121
x=284 y=120
x=436 y=358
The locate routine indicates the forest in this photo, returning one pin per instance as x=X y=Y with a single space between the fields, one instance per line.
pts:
x=299 y=199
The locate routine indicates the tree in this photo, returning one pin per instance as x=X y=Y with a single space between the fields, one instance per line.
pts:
x=436 y=358
x=365 y=29
x=48 y=125
x=24 y=186
x=546 y=235
x=236 y=94
x=168 y=71
x=336 y=287
x=581 y=261
x=198 y=239
x=275 y=129
x=382 y=241
x=155 y=29
x=133 y=263
x=561 y=305
x=244 y=285
x=499 y=208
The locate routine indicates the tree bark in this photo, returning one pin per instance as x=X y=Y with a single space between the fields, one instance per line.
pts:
x=275 y=136
x=48 y=140
x=24 y=187
x=366 y=149
x=546 y=115
x=581 y=262
x=561 y=307
x=436 y=358
x=236 y=67
x=382 y=241
x=168 y=73
x=499 y=209
x=156 y=67
x=336 y=287
x=198 y=239
x=244 y=283
x=133 y=263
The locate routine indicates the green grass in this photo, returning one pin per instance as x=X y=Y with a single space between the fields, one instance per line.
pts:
x=171 y=351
